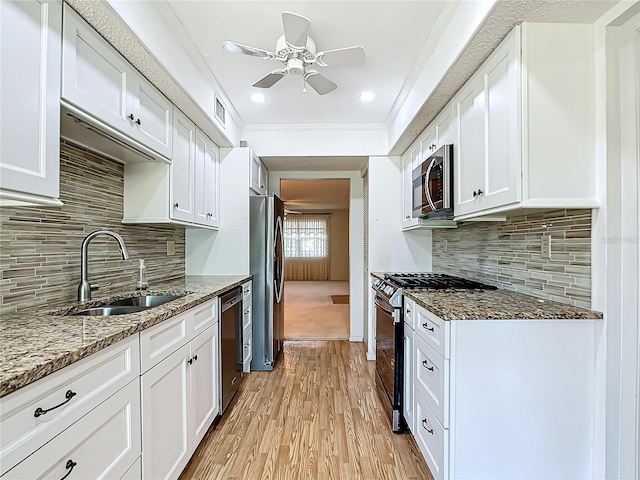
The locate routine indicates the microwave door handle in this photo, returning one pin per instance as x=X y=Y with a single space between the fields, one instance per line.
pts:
x=426 y=186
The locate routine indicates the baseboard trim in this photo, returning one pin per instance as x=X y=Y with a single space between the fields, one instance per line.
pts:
x=356 y=339
x=315 y=339
x=371 y=356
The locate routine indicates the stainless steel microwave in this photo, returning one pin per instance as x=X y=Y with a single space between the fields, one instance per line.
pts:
x=433 y=185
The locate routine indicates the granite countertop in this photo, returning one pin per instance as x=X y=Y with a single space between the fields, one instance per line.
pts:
x=495 y=305
x=39 y=342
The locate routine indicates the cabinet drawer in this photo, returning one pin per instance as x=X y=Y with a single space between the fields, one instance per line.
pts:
x=205 y=315
x=160 y=341
x=246 y=314
x=91 y=380
x=103 y=444
x=246 y=292
x=409 y=313
x=433 y=330
x=432 y=439
x=246 y=346
x=432 y=379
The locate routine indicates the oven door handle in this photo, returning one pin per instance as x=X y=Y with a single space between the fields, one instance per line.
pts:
x=379 y=301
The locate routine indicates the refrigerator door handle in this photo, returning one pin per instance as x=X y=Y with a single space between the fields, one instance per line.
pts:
x=279 y=261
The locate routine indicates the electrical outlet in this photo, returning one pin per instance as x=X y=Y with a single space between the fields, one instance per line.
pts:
x=445 y=247
x=171 y=247
x=545 y=246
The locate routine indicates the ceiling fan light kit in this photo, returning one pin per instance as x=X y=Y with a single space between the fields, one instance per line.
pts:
x=297 y=51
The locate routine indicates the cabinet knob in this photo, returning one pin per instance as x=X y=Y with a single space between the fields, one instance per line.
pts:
x=475 y=194
x=480 y=192
x=138 y=122
x=175 y=205
x=131 y=117
x=190 y=361
x=195 y=358
x=433 y=146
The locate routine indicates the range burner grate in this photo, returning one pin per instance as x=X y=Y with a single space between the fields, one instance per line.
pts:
x=433 y=280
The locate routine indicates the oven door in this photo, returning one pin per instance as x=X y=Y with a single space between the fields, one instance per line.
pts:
x=390 y=357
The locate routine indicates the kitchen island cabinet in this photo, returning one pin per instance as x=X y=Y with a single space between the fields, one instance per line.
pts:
x=504 y=385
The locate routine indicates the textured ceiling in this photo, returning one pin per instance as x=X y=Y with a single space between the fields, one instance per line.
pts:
x=299 y=195
x=314 y=164
x=393 y=34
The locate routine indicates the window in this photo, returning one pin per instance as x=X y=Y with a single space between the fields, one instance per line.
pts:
x=305 y=236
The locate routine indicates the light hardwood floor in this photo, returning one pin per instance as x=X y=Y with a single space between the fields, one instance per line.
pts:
x=310 y=314
x=316 y=416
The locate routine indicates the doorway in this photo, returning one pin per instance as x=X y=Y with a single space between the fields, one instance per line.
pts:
x=316 y=235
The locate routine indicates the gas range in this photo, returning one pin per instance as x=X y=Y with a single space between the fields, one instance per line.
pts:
x=393 y=283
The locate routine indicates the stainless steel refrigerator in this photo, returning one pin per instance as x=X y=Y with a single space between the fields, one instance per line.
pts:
x=267 y=267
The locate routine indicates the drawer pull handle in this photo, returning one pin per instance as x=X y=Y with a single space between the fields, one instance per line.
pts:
x=40 y=411
x=69 y=466
x=426 y=327
x=424 y=425
x=426 y=365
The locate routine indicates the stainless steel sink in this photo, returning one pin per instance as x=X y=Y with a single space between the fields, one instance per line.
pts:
x=146 y=301
x=107 y=311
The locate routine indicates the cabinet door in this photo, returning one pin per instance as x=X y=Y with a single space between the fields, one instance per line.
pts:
x=182 y=168
x=256 y=175
x=165 y=420
x=207 y=183
x=95 y=77
x=427 y=145
x=30 y=106
x=407 y=394
x=407 y=192
x=443 y=128
x=264 y=178
x=502 y=159
x=204 y=383
x=469 y=160
x=153 y=113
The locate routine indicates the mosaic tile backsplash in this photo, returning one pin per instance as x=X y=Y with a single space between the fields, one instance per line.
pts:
x=507 y=254
x=40 y=246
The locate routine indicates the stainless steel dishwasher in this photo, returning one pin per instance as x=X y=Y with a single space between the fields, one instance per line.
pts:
x=230 y=345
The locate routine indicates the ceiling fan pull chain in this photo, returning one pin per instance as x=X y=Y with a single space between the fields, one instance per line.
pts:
x=304 y=83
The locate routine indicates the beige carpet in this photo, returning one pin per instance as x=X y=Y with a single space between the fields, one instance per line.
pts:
x=309 y=312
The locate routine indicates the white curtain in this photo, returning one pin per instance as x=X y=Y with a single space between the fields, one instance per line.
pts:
x=306 y=246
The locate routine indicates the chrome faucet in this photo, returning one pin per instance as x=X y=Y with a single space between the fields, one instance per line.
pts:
x=85 y=288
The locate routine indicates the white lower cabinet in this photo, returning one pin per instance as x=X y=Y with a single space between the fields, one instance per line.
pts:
x=408 y=390
x=103 y=444
x=247 y=328
x=179 y=403
x=134 y=472
x=503 y=399
x=165 y=420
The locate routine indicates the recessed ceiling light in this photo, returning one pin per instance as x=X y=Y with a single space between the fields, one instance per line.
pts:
x=257 y=98
x=367 y=96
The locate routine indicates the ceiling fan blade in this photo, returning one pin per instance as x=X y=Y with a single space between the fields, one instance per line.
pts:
x=234 y=47
x=296 y=29
x=270 y=79
x=320 y=83
x=342 y=57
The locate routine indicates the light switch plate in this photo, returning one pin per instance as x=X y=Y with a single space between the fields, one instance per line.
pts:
x=171 y=247
x=545 y=246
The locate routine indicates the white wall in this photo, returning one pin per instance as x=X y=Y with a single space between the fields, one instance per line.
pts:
x=317 y=140
x=356 y=240
x=226 y=251
x=614 y=248
x=391 y=249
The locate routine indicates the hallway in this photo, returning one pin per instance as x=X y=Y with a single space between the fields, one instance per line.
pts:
x=316 y=416
x=309 y=312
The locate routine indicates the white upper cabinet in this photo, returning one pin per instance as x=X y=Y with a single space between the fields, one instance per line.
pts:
x=30 y=42
x=523 y=130
x=183 y=169
x=408 y=221
x=487 y=162
x=187 y=192
x=259 y=176
x=100 y=82
x=206 y=181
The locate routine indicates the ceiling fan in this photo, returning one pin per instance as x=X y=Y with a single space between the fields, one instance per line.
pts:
x=297 y=51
